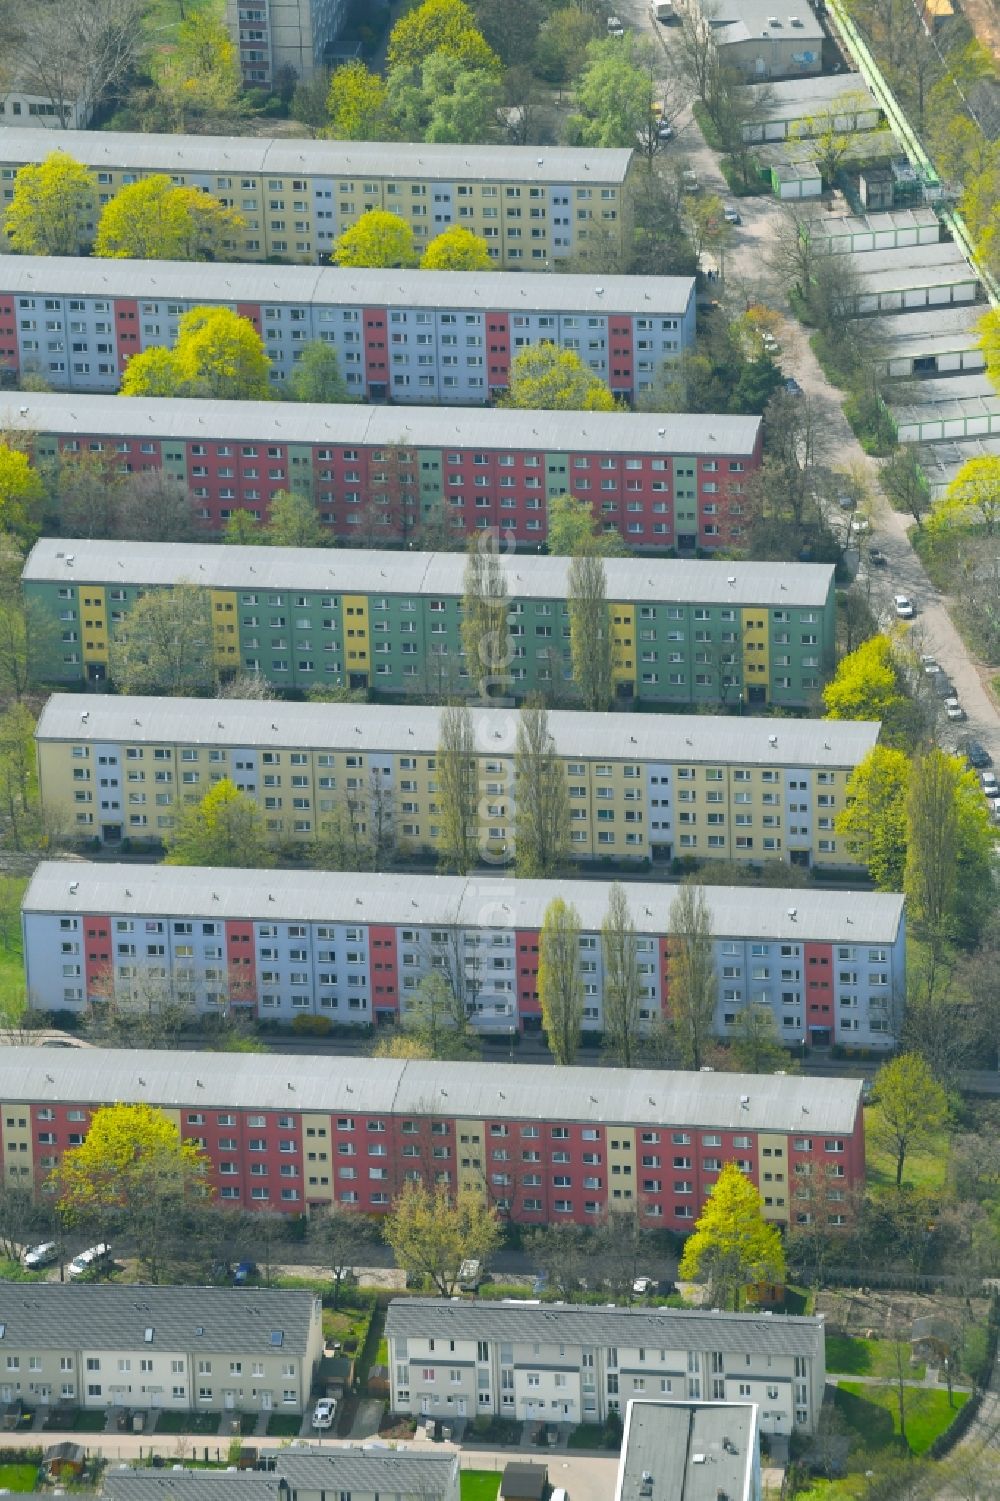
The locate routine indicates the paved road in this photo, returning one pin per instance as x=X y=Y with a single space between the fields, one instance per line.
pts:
x=749 y=278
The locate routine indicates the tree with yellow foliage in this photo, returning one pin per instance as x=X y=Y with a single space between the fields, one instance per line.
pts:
x=379 y=238
x=733 y=1245
x=556 y=380
x=358 y=104
x=201 y=76
x=132 y=1175
x=446 y=26
x=456 y=249
x=52 y=206
x=973 y=497
x=21 y=494
x=154 y=219
x=217 y=354
x=225 y=828
x=432 y=1231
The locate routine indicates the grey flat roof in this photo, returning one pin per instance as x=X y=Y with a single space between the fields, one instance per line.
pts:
x=332 y=896
x=371 y=728
x=943 y=255
x=396 y=1471
x=644 y=581
x=691 y=1451
x=928 y=331
x=796 y=98
x=399 y=160
x=943 y=406
x=757 y=16
x=875 y=222
x=946 y=390
x=553 y=291
x=585 y=1324
x=104 y=1316
x=443 y=428
x=466 y=1091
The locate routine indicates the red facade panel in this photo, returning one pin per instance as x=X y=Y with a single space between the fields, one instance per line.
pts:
x=384 y=969
x=820 y=1016
x=376 y=347
x=9 y=357
x=127 y=330
x=98 y=955
x=526 y=946
x=241 y=960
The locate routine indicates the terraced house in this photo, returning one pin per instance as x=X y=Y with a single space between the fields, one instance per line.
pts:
x=640 y=788
x=828 y=966
x=565 y=1364
x=547 y=1145
x=375 y=473
x=533 y=205
x=390 y=622
x=411 y=336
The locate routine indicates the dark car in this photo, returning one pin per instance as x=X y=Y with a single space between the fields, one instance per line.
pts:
x=942 y=685
x=877 y=558
x=244 y=1271
x=976 y=754
x=792 y=386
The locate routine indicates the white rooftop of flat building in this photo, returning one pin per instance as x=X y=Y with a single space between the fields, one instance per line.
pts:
x=64 y=559
x=797 y=915
x=186 y=419
x=466 y=1091
x=72 y=276
x=399 y=160
x=388 y=728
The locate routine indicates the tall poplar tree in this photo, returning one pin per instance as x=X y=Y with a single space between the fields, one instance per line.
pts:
x=560 y=981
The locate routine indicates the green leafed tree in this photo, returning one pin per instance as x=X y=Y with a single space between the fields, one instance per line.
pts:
x=692 y=988
x=379 y=238
x=317 y=376
x=458 y=790
x=590 y=631
x=622 y=980
x=911 y=1108
x=560 y=980
x=358 y=104
x=456 y=249
x=571 y=530
x=132 y=1175
x=164 y=643
x=156 y=219
x=432 y=1231
x=437 y=1018
x=485 y=632
x=243 y=530
x=873 y=822
x=224 y=828
x=615 y=94
x=217 y=355
x=199 y=77
x=293 y=522
x=733 y=1245
x=949 y=848
x=544 y=377
x=52 y=207
x=541 y=798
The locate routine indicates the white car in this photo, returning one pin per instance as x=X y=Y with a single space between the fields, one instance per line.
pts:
x=689 y=181
x=991 y=786
x=35 y=1257
x=324 y=1412
x=929 y=664
x=902 y=603
x=87 y=1260
x=644 y=1285
x=860 y=524
x=953 y=709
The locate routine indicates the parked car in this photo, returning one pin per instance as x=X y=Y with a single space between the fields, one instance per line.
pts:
x=243 y=1272
x=860 y=524
x=928 y=664
x=664 y=131
x=689 y=181
x=976 y=754
x=89 y=1260
x=644 y=1286
x=38 y=1256
x=615 y=27
x=792 y=387
x=953 y=709
x=770 y=343
x=540 y=1285
x=903 y=604
x=324 y=1412
x=942 y=685
x=731 y=214
x=877 y=558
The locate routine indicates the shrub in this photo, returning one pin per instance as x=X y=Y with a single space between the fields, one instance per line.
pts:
x=311 y=1026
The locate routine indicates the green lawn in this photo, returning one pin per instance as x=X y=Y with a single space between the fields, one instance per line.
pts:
x=283 y=1425
x=924 y=1169
x=848 y=1356
x=19 y=1477
x=11 y=963
x=871 y=1411
x=480 y=1485
x=188 y=1422
x=849 y=1488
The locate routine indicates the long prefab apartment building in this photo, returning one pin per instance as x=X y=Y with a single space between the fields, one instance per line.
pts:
x=533 y=205
x=375 y=474
x=566 y=1363
x=827 y=966
x=405 y=336
x=639 y=787
x=390 y=622
x=293 y=1133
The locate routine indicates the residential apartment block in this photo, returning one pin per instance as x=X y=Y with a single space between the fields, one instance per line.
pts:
x=576 y=1364
x=301 y=1474
x=828 y=966
x=688 y=1449
x=390 y=622
x=375 y=473
x=534 y=205
x=640 y=788
x=176 y=1348
x=294 y=1133
x=412 y=336
x=273 y=36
